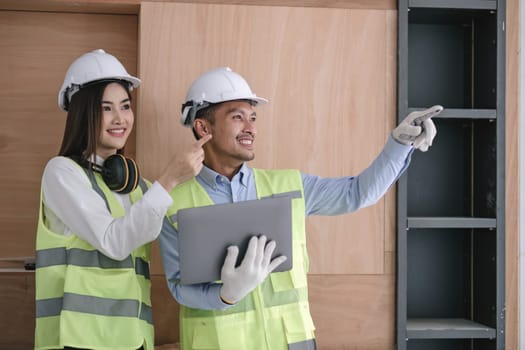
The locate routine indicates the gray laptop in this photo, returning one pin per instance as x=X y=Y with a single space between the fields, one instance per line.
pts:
x=206 y=232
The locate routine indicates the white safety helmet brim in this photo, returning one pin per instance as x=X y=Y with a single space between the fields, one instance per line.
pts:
x=90 y=68
x=216 y=86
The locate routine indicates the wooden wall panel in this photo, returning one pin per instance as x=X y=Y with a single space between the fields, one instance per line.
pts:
x=330 y=93
x=133 y=6
x=165 y=312
x=513 y=108
x=17 y=310
x=37 y=49
x=353 y=312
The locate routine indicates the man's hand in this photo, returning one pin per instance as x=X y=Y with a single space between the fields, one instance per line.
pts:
x=418 y=129
x=255 y=267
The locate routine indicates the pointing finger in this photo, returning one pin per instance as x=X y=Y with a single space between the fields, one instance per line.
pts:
x=203 y=140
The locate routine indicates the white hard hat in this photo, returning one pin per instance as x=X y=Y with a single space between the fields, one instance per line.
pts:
x=90 y=67
x=214 y=86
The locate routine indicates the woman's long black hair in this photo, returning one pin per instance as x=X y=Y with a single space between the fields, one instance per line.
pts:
x=84 y=120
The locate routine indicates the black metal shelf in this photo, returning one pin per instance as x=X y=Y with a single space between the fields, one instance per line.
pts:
x=447 y=328
x=462 y=113
x=450 y=286
x=454 y=4
x=450 y=222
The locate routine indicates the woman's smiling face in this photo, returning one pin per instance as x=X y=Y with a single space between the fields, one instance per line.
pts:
x=116 y=122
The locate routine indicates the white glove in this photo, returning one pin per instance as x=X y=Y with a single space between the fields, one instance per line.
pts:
x=255 y=267
x=418 y=129
x=424 y=140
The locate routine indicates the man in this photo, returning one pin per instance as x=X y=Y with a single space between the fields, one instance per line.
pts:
x=252 y=308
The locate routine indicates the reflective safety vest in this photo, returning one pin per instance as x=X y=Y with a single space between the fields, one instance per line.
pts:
x=276 y=314
x=85 y=299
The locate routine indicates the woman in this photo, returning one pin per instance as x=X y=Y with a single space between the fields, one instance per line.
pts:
x=96 y=218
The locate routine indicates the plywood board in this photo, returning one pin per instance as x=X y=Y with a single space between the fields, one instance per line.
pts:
x=37 y=48
x=353 y=312
x=331 y=95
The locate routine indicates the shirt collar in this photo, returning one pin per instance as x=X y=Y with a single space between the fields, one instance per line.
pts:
x=211 y=177
x=98 y=160
x=243 y=174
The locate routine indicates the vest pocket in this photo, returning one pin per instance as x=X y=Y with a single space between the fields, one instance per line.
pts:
x=232 y=332
x=117 y=284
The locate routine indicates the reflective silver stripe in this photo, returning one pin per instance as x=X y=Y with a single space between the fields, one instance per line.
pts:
x=48 y=307
x=146 y=313
x=93 y=305
x=79 y=257
x=303 y=345
x=100 y=306
x=244 y=306
x=142 y=268
x=143 y=186
x=50 y=257
x=173 y=218
x=88 y=258
x=290 y=296
x=167 y=228
x=92 y=258
x=270 y=300
x=91 y=176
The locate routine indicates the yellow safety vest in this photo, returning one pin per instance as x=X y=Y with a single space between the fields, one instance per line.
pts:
x=85 y=299
x=276 y=314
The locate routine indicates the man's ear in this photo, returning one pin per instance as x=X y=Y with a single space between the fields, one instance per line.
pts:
x=201 y=127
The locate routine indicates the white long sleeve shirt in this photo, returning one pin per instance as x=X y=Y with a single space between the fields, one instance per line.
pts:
x=71 y=206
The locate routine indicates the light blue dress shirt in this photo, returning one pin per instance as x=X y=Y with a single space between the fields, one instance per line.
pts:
x=323 y=196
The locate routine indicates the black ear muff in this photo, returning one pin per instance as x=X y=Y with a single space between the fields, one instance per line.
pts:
x=133 y=176
x=121 y=174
